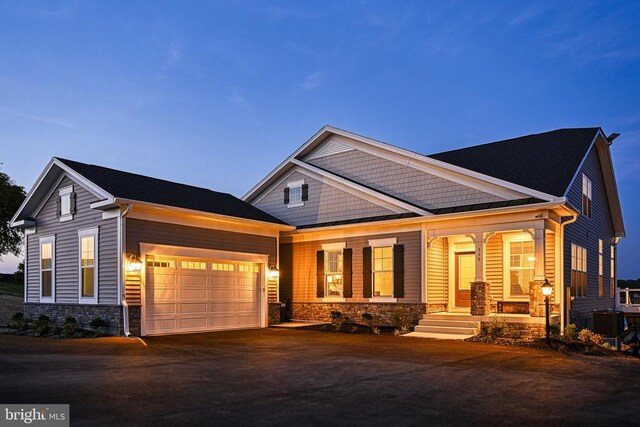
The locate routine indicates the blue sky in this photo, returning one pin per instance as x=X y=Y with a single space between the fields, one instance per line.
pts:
x=216 y=94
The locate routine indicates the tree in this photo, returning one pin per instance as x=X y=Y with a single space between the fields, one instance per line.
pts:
x=11 y=197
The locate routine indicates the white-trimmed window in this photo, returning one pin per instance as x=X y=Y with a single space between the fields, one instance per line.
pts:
x=612 y=282
x=66 y=206
x=519 y=268
x=333 y=273
x=88 y=265
x=600 y=273
x=48 y=269
x=382 y=267
x=586 y=196
x=578 y=271
x=296 y=193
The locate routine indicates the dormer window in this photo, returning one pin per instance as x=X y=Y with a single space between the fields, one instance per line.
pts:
x=296 y=193
x=66 y=204
x=586 y=196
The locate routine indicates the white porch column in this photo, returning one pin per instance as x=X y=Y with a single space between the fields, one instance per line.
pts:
x=539 y=251
x=479 y=241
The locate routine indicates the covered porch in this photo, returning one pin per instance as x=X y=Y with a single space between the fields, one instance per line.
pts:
x=495 y=269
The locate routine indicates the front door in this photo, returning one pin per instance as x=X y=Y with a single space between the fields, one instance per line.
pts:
x=465 y=274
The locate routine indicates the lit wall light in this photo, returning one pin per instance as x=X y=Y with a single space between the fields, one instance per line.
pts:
x=134 y=263
x=274 y=272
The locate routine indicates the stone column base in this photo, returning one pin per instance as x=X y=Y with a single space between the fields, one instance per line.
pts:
x=536 y=300
x=480 y=298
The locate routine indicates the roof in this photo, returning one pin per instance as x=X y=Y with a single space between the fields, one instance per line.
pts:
x=545 y=162
x=142 y=188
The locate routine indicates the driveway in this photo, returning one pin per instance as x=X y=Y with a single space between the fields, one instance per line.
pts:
x=289 y=378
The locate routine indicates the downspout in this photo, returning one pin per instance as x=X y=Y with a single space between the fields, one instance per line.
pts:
x=125 y=306
x=564 y=311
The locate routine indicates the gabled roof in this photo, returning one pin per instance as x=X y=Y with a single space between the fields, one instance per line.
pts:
x=115 y=184
x=546 y=161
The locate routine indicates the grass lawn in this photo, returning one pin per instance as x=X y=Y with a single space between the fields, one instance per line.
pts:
x=12 y=289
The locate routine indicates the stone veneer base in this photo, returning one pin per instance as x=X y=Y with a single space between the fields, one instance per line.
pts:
x=383 y=312
x=83 y=313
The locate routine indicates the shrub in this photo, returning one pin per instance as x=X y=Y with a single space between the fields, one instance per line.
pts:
x=554 y=330
x=18 y=321
x=570 y=332
x=401 y=319
x=99 y=326
x=337 y=319
x=587 y=336
x=403 y=330
x=497 y=326
x=42 y=325
x=70 y=327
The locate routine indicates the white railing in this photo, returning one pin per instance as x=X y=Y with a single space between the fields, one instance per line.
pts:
x=628 y=300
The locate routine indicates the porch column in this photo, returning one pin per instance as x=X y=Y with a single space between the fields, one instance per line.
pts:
x=536 y=299
x=480 y=288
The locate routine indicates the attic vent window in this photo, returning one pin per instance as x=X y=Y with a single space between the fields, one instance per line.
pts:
x=296 y=193
x=66 y=204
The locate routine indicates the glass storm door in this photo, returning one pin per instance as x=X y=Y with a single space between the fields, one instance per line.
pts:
x=465 y=274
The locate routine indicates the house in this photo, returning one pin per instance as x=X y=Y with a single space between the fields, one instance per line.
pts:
x=346 y=223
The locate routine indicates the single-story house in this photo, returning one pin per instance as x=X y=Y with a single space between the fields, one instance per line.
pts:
x=345 y=223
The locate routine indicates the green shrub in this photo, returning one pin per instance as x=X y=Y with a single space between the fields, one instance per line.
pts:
x=570 y=332
x=371 y=322
x=70 y=327
x=554 y=330
x=337 y=318
x=42 y=325
x=497 y=326
x=18 y=321
x=587 y=336
x=401 y=319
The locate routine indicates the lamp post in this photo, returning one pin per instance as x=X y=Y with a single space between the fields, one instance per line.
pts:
x=547 y=289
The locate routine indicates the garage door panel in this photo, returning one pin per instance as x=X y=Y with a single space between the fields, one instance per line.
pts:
x=201 y=295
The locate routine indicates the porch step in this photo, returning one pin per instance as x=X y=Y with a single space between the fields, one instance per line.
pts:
x=437 y=336
x=448 y=326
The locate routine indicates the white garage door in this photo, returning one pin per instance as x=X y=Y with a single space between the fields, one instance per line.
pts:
x=195 y=295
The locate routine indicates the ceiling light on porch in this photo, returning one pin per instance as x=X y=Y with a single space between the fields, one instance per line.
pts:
x=547 y=288
x=274 y=272
x=134 y=263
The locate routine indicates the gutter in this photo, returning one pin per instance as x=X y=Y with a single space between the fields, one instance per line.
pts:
x=564 y=312
x=122 y=241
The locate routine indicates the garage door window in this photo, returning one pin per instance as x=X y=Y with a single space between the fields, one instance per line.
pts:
x=248 y=268
x=193 y=265
x=160 y=263
x=221 y=266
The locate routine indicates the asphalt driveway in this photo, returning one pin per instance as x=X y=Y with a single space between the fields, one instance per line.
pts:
x=290 y=378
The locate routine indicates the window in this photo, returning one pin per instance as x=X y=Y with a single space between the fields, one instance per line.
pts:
x=248 y=268
x=383 y=271
x=193 y=265
x=600 y=278
x=88 y=241
x=612 y=282
x=221 y=266
x=578 y=271
x=160 y=263
x=586 y=196
x=521 y=267
x=296 y=193
x=47 y=269
x=333 y=273
x=66 y=204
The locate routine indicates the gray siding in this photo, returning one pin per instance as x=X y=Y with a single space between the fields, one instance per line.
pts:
x=66 y=249
x=298 y=266
x=407 y=183
x=325 y=204
x=585 y=232
x=161 y=233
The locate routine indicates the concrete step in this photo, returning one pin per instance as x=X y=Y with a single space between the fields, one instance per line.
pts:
x=445 y=330
x=447 y=322
x=438 y=336
x=449 y=316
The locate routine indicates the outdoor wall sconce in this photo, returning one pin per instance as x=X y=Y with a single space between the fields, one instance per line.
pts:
x=134 y=263
x=274 y=273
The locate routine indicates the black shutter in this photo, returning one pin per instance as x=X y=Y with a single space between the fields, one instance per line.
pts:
x=58 y=207
x=305 y=192
x=286 y=195
x=366 y=272
x=72 y=200
x=347 y=275
x=398 y=271
x=320 y=274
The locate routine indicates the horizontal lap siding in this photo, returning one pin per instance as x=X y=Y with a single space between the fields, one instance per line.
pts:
x=437 y=273
x=550 y=257
x=66 y=248
x=494 y=266
x=143 y=231
x=401 y=181
x=585 y=232
x=303 y=261
x=325 y=204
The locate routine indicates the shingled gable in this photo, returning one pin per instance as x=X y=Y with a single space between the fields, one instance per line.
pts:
x=139 y=188
x=546 y=161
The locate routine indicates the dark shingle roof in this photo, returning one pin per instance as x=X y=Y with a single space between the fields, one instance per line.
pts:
x=153 y=190
x=545 y=161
